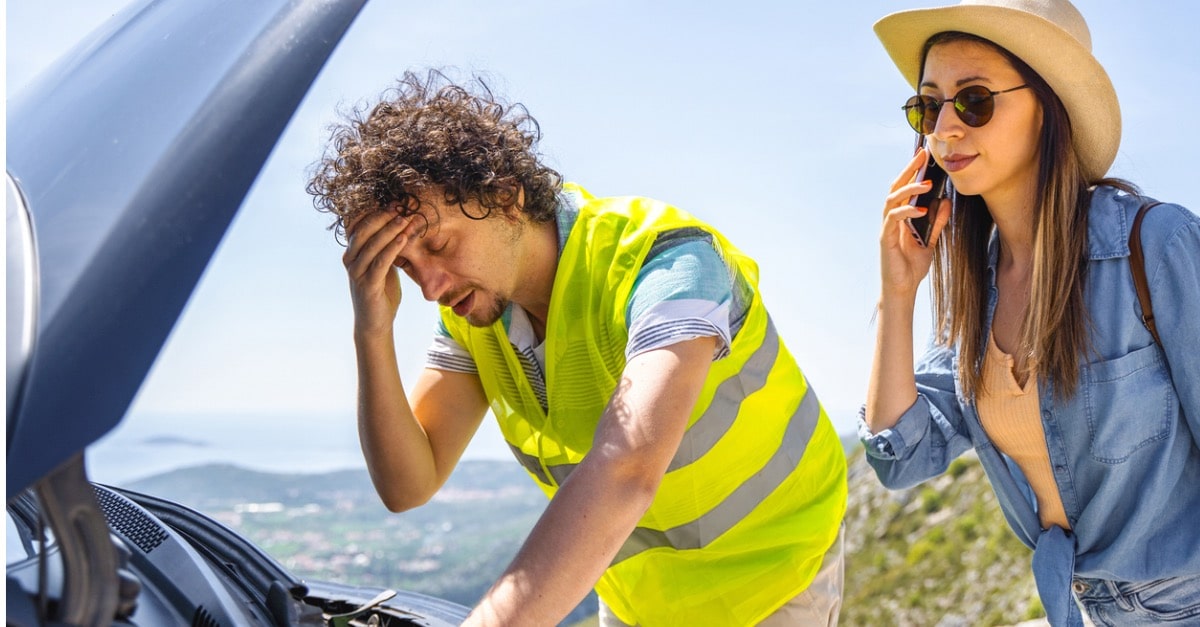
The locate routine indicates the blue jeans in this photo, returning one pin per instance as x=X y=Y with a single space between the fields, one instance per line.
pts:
x=1119 y=603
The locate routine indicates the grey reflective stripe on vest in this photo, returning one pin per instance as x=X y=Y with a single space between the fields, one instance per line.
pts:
x=534 y=465
x=531 y=463
x=561 y=472
x=718 y=418
x=743 y=499
x=726 y=403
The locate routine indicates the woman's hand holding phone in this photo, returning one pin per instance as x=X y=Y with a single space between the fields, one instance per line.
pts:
x=932 y=173
x=904 y=261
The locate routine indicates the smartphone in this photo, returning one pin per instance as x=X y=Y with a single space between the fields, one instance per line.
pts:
x=922 y=226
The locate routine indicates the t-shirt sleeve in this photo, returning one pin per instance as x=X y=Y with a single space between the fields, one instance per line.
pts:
x=445 y=353
x=683 y=291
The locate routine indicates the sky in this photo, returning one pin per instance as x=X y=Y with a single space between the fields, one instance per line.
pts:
x=777 y=122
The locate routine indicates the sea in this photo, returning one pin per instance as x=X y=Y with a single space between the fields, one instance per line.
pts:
x=146 y=444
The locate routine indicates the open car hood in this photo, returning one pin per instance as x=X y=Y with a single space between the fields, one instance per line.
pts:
x=130 y=157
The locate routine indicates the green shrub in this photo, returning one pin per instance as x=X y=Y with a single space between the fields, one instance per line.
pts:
x=931 y=500
x=958 y=467
x=1034 y=609
x=968 y=526
x=919 y=551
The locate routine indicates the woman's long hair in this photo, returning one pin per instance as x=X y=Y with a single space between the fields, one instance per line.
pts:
x=1054 y=332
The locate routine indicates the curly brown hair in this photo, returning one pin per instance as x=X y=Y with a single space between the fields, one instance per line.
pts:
x=430 y=133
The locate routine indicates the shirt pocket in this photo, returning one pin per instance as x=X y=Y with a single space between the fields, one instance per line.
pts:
x=1129 y=404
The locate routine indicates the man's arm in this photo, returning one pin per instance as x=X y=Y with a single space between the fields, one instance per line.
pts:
x=410 y=449
x=594 y=512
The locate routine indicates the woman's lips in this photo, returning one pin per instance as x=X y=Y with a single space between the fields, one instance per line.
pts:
x=954 y=163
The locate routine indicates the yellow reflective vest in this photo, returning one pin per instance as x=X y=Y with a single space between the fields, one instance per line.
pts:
x=756 y=491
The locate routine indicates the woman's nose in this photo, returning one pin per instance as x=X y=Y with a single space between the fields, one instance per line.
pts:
x=948 y=125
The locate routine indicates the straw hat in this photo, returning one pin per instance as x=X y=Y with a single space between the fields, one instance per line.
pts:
x=1050 y=36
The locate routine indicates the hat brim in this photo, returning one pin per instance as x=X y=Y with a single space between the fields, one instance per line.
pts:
x=1076 y=77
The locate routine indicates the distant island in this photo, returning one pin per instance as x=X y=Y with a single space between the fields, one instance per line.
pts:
x=173 y=440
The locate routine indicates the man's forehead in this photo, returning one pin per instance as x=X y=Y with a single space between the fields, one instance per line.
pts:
x=429 y=203
x=432 y=210
x=426 y=213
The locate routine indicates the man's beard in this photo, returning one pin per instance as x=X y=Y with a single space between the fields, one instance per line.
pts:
x=495 y=308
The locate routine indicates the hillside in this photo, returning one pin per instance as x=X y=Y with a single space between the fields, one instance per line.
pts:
x=333 y=527
x=936 y=555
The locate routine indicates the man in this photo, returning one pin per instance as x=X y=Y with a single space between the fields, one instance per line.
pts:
x=623 y=348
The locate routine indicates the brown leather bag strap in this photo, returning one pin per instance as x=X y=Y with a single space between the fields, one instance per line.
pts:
x=1137 y=266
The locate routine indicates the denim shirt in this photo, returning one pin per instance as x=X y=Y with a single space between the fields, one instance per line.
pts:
x=1124 y=448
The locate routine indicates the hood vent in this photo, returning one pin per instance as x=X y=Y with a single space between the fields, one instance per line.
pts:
x=130 y=521
x=203 y=619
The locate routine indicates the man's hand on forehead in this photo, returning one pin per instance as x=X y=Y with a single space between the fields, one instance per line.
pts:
x=381 y=223
x=380 y=216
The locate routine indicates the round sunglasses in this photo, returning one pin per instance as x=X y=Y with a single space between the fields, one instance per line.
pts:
x=974 y=106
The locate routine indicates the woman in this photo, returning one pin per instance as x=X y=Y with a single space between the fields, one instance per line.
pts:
x=1088 y=429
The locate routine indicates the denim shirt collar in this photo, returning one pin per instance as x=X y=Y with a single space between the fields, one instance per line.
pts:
x=1109 y=223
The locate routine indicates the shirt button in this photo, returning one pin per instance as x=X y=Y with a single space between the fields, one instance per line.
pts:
x=1079 y=587
x=1060 y=469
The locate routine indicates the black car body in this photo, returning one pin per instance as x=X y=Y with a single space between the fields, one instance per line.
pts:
x=127 y=161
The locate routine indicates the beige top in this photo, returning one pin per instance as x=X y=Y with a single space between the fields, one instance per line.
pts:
x=1012 y=419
